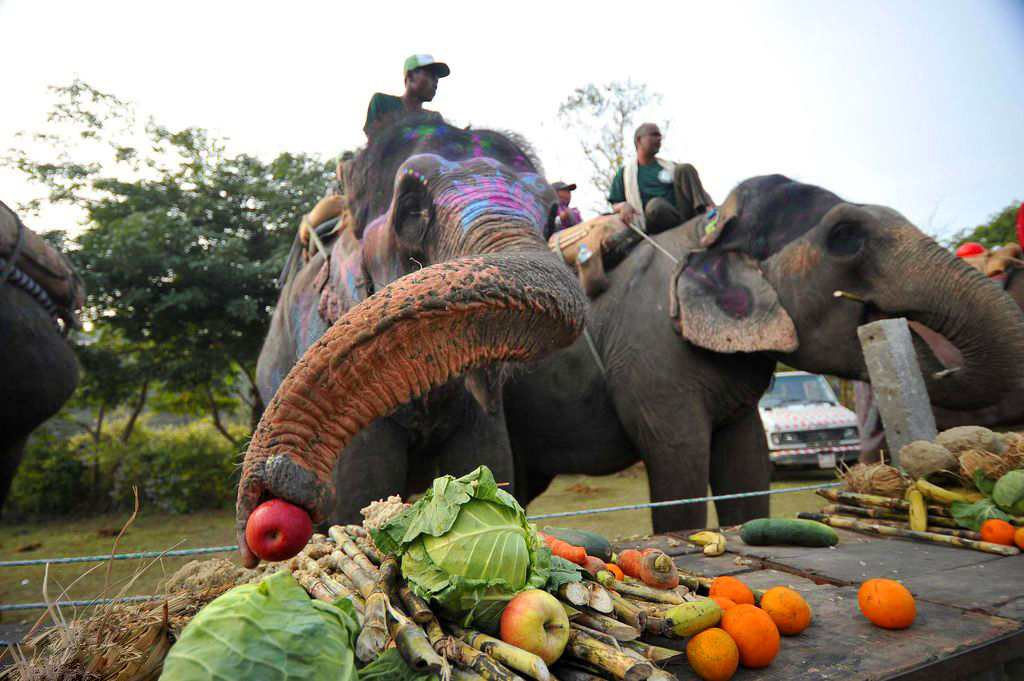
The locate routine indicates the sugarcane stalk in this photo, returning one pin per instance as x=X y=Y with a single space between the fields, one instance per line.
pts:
x=413 y=643
x=858 y=499
x=417 y=608
x=883 y=514
x=375 y=634
x=367 y=546
x=464 y=674
x=641 y=591
x=600 y=598
x=575 y=593
x=652 y=609
x=620 y=631
x=963 y=534
x=656 y=673
x=652 y=652
x=509 y=655
x=888 y=531
x=345 y=543
x=356 y=530
x=599 y=635
x=363 y=580
x=466 y=656
x=627 y=612
x=618 y=664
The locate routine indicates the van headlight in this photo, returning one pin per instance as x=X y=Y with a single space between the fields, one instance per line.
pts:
x=776 y=439
x=850 y=433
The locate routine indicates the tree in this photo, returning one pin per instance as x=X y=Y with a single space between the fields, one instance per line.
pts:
x=603 y=119
x=1000 y=228
x=183 y=241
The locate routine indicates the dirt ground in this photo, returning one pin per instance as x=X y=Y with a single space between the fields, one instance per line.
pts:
x=157 y=532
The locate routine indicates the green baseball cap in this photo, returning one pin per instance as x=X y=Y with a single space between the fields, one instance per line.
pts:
x=426 y=61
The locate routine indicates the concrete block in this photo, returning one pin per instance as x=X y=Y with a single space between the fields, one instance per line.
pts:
x=898 y=384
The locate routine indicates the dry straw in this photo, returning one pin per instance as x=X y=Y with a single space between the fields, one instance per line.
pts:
x=874 y=478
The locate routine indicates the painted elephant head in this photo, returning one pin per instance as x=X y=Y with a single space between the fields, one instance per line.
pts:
x=778 y=252
x=460 y=277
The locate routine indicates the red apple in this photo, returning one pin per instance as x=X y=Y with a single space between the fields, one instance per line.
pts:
x=536 y=622
x=277 y=530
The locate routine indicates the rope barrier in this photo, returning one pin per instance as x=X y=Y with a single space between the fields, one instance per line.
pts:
x=589 y=511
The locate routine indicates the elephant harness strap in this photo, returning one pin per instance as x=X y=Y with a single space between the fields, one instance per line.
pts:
x=28 y=262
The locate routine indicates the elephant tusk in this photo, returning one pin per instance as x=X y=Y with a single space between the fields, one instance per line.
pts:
x=849 y=296
x=945 y=372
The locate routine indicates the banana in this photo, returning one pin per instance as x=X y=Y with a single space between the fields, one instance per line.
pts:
x=918 y=512
x=713 y=542
x=693 y=617
x=944 y=496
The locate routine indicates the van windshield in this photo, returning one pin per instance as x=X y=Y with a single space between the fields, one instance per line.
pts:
x=801 y=389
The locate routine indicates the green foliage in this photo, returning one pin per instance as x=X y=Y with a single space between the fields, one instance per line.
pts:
x=176 y=470
x=1000 y=229
x=603 y=118
x=182 y=245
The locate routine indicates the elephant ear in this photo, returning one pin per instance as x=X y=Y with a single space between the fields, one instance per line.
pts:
x=722 y=302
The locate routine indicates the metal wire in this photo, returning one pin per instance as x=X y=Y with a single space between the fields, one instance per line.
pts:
x=80 y=604
x=118 y=556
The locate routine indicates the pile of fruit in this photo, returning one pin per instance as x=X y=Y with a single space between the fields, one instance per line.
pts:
x=965 y=489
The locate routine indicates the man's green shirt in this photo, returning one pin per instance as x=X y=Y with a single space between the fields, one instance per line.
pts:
x=383 y=106
x=650 y=184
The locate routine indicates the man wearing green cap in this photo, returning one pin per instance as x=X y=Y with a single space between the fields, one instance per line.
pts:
x=421 y=74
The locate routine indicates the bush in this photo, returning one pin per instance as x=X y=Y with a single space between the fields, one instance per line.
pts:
x=176 y=470
x=52 y=477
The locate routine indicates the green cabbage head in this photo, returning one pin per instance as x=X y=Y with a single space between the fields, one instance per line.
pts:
x=271 y=631
x=467 y=546
x=1009 y=492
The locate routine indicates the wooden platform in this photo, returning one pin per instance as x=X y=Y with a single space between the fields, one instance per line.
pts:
x=970 y=615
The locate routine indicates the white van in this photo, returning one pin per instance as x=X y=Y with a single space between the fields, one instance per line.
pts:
x=805 y=425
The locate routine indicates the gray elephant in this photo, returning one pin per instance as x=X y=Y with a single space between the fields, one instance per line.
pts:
x=682 y=353
x=38 y=370
x=443 y=275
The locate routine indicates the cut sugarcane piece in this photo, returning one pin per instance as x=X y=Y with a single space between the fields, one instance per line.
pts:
x=641 y=591
x=618 y=664
x=620 y=631
x=575 y=593
x=412 y=643
x=600 y=598
x=888 y=531
x=509 y=655
x=652 y=652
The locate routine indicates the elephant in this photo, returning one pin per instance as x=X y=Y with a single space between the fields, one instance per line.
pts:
x=39 y=371
x=679 y=353
x=443 y=276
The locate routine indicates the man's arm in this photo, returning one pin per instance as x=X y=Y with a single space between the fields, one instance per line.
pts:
x=617 y=197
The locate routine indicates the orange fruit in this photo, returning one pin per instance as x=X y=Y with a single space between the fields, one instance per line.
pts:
x=788 y=610
x=1018 y=538
x=755 y=634
x=713 y=655
x=997 y=531
x=887 y=603
x=730 y=587
x=724 y=602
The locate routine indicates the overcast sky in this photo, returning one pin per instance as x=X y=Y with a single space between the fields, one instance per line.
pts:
x=918 y=105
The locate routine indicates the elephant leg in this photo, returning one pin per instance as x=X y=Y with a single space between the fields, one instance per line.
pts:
x=675 y=454
x=740 y=463
x=373 y=466
x=481 y=439
x=10 y=458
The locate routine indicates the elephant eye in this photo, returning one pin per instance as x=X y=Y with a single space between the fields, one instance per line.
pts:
x=846 y=238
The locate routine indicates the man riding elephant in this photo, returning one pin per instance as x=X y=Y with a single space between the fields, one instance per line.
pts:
x=655 y=194
x=421 y=75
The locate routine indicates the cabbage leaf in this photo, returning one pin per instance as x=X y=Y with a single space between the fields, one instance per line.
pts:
x=270 y=631
x=467 y=546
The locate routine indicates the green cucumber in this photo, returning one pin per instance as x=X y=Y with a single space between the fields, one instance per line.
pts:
x=596 y=545
x=764 y=531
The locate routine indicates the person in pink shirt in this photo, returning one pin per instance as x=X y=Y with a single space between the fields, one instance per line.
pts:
x=567 y=217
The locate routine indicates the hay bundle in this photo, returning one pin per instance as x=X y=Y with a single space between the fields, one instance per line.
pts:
x=993 y=465
x=118 y=643
x=874 y=478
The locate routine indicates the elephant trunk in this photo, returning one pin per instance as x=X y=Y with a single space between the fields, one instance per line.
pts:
x=415 y=334
x=972 y=314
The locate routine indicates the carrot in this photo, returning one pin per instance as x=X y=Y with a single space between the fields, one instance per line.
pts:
x=573 y=554
x=615 y=570
x=629 y=561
